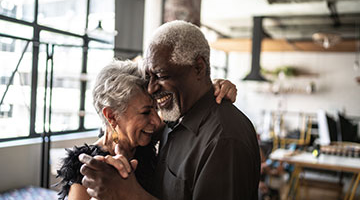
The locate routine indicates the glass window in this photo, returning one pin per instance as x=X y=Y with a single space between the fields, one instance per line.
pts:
x=67 y=15
x=218 y=64
x=14 y=29
x=102 y=20
x=66 y=83
x=98 y=58
x=60 y=39
x=19 y=9
x=15 y=110
x=67 y=58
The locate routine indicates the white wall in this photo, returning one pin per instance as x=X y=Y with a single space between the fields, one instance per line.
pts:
x=20 y=163
x=336 y=86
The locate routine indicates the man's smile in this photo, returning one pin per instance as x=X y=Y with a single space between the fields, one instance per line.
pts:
x=164 y=100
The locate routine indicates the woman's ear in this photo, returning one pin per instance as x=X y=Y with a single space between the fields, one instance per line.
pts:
x=109 y=115
x=111 y=123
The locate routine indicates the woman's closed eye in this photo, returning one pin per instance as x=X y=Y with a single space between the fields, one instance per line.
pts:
x=162 y=76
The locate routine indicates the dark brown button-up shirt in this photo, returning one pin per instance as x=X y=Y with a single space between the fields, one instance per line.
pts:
x=211 y=154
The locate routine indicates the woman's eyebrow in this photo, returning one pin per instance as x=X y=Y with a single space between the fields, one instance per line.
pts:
x=158 y=70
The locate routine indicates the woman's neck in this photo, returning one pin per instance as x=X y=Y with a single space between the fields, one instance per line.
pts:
x=125 y=149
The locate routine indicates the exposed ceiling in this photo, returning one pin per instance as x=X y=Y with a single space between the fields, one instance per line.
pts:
x=284 y=19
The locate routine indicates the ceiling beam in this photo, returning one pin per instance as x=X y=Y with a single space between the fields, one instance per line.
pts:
x=354 y=15
x=223 y=35
x=281 y=45
x=344 y=26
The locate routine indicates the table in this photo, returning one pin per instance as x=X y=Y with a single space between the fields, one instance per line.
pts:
x=327 y=162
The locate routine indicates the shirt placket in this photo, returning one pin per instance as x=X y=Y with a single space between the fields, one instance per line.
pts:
x=161 y=165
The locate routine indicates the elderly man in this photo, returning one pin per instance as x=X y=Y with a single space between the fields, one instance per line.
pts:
x=210 y=151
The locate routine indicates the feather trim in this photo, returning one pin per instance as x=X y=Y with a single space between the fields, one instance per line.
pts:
x=70 y=169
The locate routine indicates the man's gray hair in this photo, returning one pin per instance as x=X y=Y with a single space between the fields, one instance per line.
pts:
x=115 y=85
x=187 y=41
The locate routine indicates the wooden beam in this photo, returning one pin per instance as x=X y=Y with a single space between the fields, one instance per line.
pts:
x=277 y=45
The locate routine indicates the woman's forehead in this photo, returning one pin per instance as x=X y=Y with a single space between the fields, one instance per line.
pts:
x=141 y=100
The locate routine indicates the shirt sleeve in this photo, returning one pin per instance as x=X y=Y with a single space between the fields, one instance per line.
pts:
x=231 y=171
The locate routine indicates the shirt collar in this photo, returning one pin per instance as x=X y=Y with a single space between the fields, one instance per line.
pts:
x=193 y=118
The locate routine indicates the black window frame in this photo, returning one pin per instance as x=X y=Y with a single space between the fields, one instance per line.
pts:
x=35 y=42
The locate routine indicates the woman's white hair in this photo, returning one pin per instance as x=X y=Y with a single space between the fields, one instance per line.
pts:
x=115 y=85
x=187 y=41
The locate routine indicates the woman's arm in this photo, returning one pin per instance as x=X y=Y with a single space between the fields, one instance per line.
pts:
x=69 y=172
x=78 y=192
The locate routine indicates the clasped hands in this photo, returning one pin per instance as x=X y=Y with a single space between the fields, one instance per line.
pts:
x=109 y=177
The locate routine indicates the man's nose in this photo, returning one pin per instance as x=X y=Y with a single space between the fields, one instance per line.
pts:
x=153 y=86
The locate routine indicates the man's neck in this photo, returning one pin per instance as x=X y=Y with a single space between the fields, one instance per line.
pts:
x=199 y=95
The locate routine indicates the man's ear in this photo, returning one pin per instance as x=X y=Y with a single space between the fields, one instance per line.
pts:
x=200 y=67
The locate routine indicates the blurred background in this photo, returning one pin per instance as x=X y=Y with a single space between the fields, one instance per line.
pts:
x=295 y=64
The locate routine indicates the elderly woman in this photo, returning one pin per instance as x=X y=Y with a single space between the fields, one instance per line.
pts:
x=128 y=113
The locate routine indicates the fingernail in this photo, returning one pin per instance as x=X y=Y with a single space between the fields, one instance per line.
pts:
x=125 y=175
x=84 y=158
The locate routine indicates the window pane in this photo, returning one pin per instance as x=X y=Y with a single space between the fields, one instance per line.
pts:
x=102 y=11
x=20 y=9
x=55 y=38
x=97 y=59
x=218 y=64
x=66 y=84
x=67 y=15
x=15 y=110
x=14 y=29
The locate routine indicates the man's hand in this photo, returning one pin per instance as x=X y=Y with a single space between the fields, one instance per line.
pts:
x=104 y=182
x=224 y=89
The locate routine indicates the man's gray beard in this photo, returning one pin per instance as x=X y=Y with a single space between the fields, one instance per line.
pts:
x=172 y=114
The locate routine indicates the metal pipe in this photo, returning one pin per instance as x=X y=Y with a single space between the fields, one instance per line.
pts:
x=34 y=69
x=83 y=84
x=48 y=144
x=43 y=135
x=87 y=14
x=51 y=58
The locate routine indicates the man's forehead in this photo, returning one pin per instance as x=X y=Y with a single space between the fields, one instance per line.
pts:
x=157 y=64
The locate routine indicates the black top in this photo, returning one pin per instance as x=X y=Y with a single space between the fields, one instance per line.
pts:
x=211 y=154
